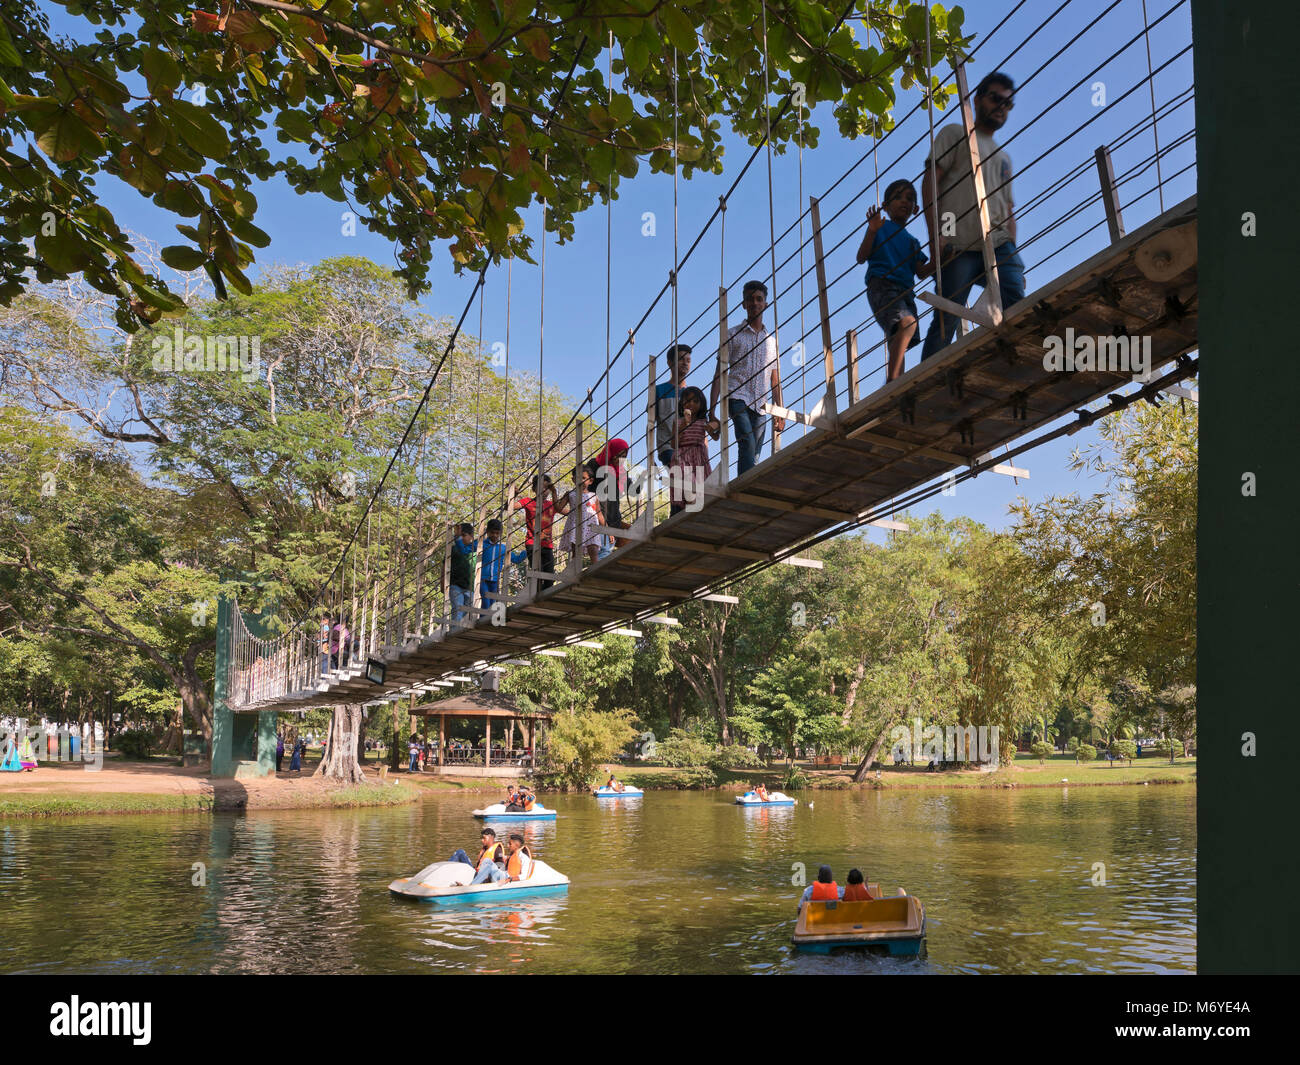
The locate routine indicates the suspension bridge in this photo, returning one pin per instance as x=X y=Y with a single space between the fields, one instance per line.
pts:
x=855 y=450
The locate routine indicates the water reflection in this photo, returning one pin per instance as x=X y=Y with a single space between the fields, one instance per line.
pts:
x=674 y=882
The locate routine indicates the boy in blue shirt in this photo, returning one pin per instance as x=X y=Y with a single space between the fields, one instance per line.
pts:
x=896 y=261
x=495 y=552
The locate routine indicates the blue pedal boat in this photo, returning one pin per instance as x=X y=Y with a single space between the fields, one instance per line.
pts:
x=497 y=812
x=448 y=884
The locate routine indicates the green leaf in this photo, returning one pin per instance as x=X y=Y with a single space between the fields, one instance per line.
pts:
x=9 y=56
x=621 y=108
x=161 y=71
x=296 y=125
x=197 y=128
x=157 y=297
x=181 y=258
x=247 y=231
x=637 y=55
x=179 y=198
x=681 y=30
x=67 y=137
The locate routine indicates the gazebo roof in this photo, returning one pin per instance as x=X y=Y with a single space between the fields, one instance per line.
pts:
x=479 y=704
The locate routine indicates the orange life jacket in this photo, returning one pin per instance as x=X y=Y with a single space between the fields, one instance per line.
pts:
x=492 y=853
x=515 y=865
x=528 y=803
x=825 y=892
x=856 y=893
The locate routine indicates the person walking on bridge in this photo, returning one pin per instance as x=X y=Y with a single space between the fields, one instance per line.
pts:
x=952 y=211
x=753 y=374
x=539 y=516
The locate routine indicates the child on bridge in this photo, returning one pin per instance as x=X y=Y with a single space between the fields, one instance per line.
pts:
x=896 y=261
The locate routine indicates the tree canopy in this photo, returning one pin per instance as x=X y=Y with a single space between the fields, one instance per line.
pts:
x=431 y=122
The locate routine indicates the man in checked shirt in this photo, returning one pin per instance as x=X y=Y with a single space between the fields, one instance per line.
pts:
x=753 y=371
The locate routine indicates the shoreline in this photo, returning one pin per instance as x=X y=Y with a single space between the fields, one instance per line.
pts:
x=120 y=788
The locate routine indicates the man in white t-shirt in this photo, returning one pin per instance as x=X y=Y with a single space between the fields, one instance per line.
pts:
x=753 y=373
x=955 y=239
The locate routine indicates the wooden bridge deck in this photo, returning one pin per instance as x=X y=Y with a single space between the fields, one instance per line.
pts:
x=988 y=388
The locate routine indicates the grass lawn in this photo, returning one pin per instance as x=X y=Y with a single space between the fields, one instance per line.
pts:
x=37 y=805
x=1025 y=773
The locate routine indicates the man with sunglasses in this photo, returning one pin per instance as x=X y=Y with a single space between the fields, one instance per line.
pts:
x=956 y=243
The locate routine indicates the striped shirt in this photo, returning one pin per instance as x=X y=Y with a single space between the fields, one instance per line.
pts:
x=751 y=358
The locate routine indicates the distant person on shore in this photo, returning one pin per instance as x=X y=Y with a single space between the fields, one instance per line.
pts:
x=295 y=761
x=952 y=211
x=896 y=260
x=823 y=889
x=279 y=751
x=413 y=748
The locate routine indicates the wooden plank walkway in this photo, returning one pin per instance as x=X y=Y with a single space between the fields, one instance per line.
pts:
x=985 y=390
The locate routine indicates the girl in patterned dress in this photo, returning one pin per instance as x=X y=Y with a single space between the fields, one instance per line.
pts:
x=583 y=513
x=690 y=466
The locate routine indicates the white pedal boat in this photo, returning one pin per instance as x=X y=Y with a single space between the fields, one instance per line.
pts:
x=609 y=793
x=774 y=798
x=439 y=882
x=497 y=812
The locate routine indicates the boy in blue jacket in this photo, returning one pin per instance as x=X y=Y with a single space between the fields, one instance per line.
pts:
x=495 y=551
x=896 y=261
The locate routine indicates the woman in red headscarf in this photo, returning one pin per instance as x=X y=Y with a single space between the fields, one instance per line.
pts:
x=610 y=472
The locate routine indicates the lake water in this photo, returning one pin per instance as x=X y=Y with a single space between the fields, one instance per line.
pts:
x=674 y=882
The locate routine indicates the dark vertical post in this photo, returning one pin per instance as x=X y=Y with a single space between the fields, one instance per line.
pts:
x=851 y=347
x=222 y=717
x=1109 y=195
x=1247 y=565
x=823 y=301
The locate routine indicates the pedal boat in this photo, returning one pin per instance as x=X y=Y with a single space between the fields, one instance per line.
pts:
x=497 y=812
x=896 y=923
x=775 y=798
x=448 y=884
x=603 y=792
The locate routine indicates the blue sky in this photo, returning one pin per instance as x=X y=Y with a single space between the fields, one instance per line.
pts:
x=306 y=229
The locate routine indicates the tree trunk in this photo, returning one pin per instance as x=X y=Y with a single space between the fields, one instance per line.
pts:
x=851 y=696
x=339 y=761
x=395 y=755
x=675 y=700
x=174 y=738
x=195 y=703
x=720 y=694
x=864 y=766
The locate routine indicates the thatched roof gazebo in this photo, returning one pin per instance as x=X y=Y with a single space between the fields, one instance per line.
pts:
x=488 y=705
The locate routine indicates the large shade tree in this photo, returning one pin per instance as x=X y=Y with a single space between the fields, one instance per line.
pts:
x=245 y=483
